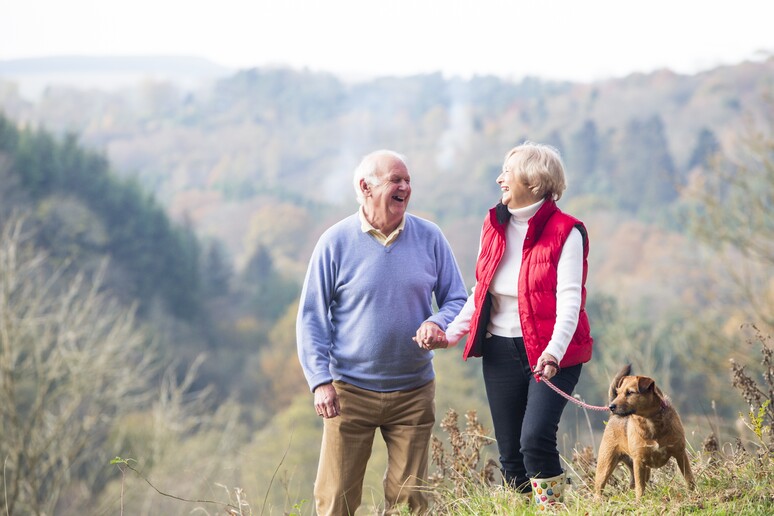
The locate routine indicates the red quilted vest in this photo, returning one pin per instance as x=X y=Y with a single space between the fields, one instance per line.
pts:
x=547 y=232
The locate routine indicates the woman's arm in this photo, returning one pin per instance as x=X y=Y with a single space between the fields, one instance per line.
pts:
x=569 y=278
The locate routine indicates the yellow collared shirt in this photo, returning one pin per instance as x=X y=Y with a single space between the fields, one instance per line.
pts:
x=380 y=237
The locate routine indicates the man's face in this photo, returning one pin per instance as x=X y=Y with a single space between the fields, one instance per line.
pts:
x=388 y=199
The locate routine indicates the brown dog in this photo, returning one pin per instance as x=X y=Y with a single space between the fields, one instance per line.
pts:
x=643 y=432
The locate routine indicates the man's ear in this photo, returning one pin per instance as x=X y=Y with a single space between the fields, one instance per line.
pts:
x=365 y=187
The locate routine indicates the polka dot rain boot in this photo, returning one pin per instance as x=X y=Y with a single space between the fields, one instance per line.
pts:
x=548 y=491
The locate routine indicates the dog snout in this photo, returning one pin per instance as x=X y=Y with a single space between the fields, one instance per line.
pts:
x=612 y=407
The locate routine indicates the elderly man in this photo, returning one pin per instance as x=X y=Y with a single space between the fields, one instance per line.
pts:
x=366 y=330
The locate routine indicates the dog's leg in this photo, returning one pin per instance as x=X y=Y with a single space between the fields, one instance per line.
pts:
x=628 y=463
x=641 y=475
x=684 y=463
x=606 y=463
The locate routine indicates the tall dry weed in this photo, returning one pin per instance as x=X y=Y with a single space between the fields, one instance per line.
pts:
x=459 y=466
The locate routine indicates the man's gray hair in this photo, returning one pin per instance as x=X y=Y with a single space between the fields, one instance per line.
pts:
x=368 y=168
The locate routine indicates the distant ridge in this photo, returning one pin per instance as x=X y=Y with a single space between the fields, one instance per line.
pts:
x=105 y=64
x=33 y=75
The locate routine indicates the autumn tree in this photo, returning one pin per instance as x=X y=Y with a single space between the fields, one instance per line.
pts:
x=735 y=198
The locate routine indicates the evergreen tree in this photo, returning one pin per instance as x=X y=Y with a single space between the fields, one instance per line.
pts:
x=582 y=157
x=217 y=270
x=268 y=292
x=707 y=146
x=645 y=172
x=161 y=259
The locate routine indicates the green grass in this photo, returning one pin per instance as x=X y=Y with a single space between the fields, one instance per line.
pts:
x=733 y=478
x=741 y=485
x=729 y=480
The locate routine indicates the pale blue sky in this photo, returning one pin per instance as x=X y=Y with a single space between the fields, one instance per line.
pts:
x=553 y=39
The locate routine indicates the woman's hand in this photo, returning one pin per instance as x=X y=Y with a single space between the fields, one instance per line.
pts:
x=547 y=366
x=430 y=336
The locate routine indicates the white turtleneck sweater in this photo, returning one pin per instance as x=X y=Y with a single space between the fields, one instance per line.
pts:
x=504 y=318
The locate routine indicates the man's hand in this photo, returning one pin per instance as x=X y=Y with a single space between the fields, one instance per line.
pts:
x=326 y=401
x=430 y=336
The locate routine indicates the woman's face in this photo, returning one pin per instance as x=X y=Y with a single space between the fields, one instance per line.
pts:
x=516 y=194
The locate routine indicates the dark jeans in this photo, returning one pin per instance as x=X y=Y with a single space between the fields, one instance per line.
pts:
x=525 y=412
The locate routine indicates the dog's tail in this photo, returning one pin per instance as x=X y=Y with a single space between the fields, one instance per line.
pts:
x=625 y=371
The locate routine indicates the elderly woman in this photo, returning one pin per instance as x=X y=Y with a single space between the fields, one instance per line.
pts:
x=526 y=318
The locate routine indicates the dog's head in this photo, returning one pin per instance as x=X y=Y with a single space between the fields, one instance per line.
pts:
x=635 y=395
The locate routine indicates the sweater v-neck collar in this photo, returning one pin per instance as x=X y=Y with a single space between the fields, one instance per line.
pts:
x=387 y=248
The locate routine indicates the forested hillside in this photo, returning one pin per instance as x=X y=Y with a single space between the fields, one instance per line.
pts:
x=266 y=142
x=205 y=205
x=83 y=209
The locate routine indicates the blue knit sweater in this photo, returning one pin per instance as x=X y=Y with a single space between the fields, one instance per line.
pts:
x=362 y=302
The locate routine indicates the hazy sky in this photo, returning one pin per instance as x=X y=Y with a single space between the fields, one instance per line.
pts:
x=560 y=39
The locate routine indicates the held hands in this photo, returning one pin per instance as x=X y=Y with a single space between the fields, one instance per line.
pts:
x=326 y=401
x=547 y=366
x=430 y=336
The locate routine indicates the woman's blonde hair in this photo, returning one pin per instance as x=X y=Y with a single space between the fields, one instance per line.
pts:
x=540 y=167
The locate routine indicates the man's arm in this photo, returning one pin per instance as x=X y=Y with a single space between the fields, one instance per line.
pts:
x=313 y=328
x=313 y=332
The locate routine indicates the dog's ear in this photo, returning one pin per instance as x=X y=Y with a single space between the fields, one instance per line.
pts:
x=613 y=391
x=646 y=384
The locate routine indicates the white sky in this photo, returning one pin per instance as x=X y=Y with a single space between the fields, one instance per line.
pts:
x=578 y=40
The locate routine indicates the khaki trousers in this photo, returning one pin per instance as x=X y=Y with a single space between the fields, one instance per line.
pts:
x=406 y=420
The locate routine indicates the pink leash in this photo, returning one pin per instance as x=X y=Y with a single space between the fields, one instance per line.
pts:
x=570 y=398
